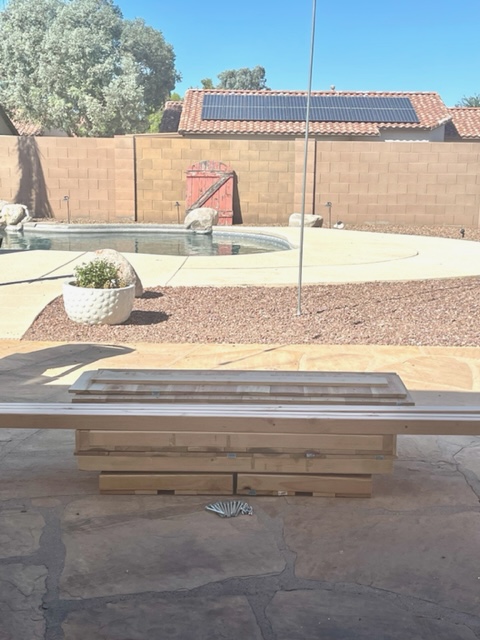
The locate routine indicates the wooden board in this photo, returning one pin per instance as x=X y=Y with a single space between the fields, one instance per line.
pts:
x=333 y=486
x=204 y=376
x=259 y=463
x=423 y=420
x=327 y=399
x=111 y=441
x=179 y=484
x=355 y=486
x=224 y=386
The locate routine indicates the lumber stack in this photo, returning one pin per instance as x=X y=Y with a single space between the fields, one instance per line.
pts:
x=224 y=461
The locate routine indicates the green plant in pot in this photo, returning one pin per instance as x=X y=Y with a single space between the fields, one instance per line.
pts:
x=98 y=274
x=98 y=295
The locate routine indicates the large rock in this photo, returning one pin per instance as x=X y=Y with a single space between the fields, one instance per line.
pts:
x=310 y=220
x=126 y=271
x=201 y=219
x=14 y=214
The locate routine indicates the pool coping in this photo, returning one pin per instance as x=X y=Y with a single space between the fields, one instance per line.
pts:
x=149 y=227
x=276 y=239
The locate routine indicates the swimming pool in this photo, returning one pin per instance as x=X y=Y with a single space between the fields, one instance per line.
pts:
x=155 y=240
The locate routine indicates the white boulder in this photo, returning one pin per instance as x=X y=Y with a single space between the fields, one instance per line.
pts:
x=310 y=220
x=201 y=219
x=14 y=214
x=126 y=271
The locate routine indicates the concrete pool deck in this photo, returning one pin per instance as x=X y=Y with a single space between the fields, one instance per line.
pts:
x=29 y=280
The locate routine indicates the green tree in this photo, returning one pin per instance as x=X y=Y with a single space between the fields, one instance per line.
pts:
x=244 y=78
x=79 y=66
x=207 y=83
x=471 y=101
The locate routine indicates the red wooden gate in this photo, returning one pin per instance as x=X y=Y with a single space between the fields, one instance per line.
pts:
x=210 y=184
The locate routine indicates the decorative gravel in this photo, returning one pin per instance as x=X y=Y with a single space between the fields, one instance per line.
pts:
x=429 y=312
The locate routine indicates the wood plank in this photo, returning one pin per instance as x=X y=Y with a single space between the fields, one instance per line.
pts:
x=234 y=399
x=294 y=443
x=167 y=452
x=384 y=420
x=325 y=485
x=195 y=376
x=82 y=440
x=180 y=484
x=224 y=386
x=260 y=463
x=82 y=383
x=162 y=385
x=248 y=390
x=390 y=444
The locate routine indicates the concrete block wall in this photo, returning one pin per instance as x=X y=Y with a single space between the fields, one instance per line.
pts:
x=404 y=183
x=96 y=174
x=310 y=182
x=124 y=179
x=143 y=177
x=265 y=171
x=8 y=167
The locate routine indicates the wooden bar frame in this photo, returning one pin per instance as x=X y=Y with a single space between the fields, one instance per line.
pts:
x=331 y=419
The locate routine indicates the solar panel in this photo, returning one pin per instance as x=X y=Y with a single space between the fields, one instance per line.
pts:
x=326 y=108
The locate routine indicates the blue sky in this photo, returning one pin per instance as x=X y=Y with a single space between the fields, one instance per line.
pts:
x=366 y=45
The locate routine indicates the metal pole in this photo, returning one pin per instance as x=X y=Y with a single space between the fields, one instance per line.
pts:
x=304 y=185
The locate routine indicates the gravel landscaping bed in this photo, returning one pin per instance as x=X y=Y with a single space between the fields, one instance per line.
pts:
x=429 y=312
x=440 y=232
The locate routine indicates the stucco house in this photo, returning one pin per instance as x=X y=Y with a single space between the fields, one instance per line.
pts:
x=464 y=125
x=12 y=126
x=33 y=129
x=335 y=115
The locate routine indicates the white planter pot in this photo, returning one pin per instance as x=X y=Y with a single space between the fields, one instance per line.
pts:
x=98 y=306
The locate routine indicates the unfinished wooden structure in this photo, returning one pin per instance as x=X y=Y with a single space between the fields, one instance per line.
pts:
x=273 y=419
x=252 y=462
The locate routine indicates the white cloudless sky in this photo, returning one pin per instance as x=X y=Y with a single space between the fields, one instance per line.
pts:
x=362 y=45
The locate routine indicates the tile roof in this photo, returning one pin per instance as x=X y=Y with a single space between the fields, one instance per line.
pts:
x=28 y=128
x=171 y=116
x=25 y=127
x=429 y=108
x=465 y=124
x=8 y=121
x=176 y=105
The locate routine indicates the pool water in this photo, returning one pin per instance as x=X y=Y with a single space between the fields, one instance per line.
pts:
x=152 y=242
